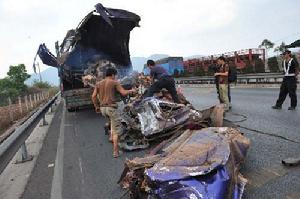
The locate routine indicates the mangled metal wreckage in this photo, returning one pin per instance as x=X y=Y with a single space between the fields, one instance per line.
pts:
x=195 y=158
x=199 y=164
x=152 y=119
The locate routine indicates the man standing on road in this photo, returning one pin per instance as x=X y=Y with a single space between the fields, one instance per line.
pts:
x=222 y=80
x=107 y=90
x=161 y=79
x=289 y=83
x=216 y=69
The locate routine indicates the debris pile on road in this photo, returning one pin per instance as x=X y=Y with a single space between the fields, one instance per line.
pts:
x=195 y=156
x=198 y=164
x=152 y=119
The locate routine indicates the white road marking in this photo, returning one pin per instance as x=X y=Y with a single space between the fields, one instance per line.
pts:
x=57 y=181
x=80 y=165
x=81 y=170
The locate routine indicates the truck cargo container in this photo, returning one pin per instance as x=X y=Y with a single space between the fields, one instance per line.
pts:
x=173 y=65
x=103 y=35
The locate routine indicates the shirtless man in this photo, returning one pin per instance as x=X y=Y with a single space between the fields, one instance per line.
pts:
x=107 y=90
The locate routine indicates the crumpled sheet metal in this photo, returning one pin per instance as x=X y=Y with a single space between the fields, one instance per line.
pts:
x=183 y=170
x=201 y=153
x=196 y=188
x=206 y=170
x=205 y=187
x=153 y=120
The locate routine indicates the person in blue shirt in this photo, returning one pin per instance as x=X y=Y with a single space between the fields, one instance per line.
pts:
x=160 y=80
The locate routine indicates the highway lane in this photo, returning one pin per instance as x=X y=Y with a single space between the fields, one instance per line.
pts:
x=267 y=177
x=89 y=171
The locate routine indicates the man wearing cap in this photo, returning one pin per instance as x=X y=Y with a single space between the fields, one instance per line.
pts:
x=289 y=83
x=161 y=79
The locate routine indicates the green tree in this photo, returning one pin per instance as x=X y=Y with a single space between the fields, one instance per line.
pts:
x=281 y=48
x=267 y=44
x=17 y=75
x=7 y=90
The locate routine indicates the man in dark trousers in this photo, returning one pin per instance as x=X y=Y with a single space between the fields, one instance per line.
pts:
x=289 y=83
x=161 y=79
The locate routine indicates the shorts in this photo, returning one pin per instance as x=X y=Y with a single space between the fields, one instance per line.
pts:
x=114 y=117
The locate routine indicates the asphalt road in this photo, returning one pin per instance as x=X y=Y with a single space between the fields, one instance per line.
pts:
x=84 y=167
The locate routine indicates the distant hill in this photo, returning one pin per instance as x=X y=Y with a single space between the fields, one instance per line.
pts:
x=49 y=75
x=138 y=62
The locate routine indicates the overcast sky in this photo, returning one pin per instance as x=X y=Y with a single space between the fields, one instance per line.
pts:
x=174 y=27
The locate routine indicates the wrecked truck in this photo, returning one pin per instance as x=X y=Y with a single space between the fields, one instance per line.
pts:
x=100 y=39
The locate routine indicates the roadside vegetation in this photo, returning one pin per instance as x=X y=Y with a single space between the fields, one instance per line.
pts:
x=17 y=99
x=13 y=85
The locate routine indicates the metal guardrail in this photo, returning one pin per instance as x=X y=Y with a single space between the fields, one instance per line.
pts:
x=245 y=79
x=12 y=144
x=239 y=75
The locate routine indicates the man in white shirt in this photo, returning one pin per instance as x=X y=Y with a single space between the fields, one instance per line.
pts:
x=289 y=83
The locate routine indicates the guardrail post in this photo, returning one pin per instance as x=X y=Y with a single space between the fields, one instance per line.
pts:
x=23 y=155
x=44 y=122
x=51 y=108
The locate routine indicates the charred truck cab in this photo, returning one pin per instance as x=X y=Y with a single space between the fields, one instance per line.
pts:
x=101 y=37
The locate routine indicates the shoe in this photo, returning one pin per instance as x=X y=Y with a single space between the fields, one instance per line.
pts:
x=291 y=108
x=276 y=107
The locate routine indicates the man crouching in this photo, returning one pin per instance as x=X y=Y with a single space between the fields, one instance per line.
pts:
x=107 y=90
